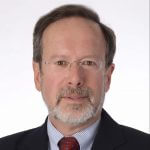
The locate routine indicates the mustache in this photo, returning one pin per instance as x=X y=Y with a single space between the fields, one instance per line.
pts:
x=70 y=91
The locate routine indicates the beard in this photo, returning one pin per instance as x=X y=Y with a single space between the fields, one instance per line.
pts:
x=75 y=114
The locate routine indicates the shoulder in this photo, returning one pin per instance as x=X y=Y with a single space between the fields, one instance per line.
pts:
x=134 y=133
x=10 y=141
x=135 y=137
x=120 y=136
x=35 y=138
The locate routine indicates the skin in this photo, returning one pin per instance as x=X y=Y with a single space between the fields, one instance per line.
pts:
x=74 y=38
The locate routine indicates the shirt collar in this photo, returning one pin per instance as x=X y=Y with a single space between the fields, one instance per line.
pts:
x=53 y=134
x=84 y=137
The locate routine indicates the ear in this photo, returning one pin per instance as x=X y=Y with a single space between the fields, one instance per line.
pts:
x=37 y=75
x=108 y=74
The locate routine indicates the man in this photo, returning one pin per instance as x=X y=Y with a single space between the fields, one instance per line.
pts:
x=73 y=63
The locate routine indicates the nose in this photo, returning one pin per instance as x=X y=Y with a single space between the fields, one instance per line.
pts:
x=75 y=76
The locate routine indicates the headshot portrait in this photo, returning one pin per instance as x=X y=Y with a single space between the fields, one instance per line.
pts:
x=74 y=76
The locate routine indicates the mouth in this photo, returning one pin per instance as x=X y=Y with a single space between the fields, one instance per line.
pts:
x=78 y=99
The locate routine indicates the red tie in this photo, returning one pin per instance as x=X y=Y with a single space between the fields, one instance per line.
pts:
x=68 y=143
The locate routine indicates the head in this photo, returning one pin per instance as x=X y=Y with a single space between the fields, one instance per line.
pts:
x=73 y=63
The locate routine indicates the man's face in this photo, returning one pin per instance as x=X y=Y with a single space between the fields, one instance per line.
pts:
x=73 y=79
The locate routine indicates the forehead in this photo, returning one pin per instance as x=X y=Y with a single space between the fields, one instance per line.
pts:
x=74 y=33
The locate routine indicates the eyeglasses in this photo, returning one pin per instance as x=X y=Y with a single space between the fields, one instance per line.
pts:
x=85 y=64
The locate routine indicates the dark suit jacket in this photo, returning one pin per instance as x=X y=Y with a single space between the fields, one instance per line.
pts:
x=110 y=136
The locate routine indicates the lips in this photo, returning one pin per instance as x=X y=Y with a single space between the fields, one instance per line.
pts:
x=75 y=98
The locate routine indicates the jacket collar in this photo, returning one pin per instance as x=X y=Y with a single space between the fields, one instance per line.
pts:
x=109 y=135
x=36 y=140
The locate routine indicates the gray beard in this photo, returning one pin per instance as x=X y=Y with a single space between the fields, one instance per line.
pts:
x=76 y=114
x=85 y=113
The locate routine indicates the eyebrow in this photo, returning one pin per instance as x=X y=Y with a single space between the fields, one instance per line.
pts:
x=67 y=57
x=58 y=56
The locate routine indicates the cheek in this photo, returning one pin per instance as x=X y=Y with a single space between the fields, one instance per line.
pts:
x=97 y=81
x=97 y=85
x=50 y=86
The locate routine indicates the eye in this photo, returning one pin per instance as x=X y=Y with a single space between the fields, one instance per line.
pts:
x=61 y=63
x=89 y=63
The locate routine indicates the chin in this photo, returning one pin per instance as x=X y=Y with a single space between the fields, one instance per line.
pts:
x=74 y=115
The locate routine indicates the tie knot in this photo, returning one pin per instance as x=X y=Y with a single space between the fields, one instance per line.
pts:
x=68 y=143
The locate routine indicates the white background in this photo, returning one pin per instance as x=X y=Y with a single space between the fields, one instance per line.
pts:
x=21 y=106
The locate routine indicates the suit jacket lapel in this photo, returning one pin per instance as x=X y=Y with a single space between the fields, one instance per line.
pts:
x=109 y=134
x=37 y=140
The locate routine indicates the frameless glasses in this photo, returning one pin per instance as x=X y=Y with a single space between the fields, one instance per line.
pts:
x=85 y=64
